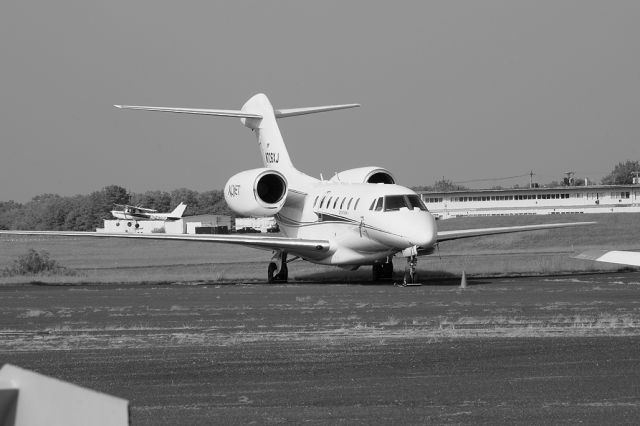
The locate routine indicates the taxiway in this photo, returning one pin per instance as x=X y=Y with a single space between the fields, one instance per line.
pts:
x=529 y=350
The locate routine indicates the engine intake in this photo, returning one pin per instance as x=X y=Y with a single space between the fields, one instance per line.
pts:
x=257 y=192
x=365 y=175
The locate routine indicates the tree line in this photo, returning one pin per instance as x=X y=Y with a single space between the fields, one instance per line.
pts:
x=622 y=174
x=87 y=212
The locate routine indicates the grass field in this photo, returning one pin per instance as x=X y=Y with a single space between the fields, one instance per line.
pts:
x=539 y=252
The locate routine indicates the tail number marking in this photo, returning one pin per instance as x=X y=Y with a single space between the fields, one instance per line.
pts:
x=272 y=157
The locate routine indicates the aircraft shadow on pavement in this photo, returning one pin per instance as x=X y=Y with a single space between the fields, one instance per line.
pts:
x=425 y=278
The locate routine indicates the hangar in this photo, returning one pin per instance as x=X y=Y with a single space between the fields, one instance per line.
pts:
x=532 y=201
x=201 y=224
x=256 y=224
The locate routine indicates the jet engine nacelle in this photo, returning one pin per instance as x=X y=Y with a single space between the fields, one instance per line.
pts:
x=257 y=192
x=365 y=175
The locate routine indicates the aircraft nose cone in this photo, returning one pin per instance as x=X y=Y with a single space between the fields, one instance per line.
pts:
x=417 y=229
x=425 y=232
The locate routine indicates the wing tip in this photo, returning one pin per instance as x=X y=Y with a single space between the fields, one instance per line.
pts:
x=590 y=254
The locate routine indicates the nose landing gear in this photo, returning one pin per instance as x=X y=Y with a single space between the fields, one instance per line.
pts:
x=410 y=275
x=283 y=273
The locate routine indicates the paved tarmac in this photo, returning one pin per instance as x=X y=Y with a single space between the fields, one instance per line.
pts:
x=552 y=350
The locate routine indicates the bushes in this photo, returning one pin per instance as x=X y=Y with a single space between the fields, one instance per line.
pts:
x=36 y=263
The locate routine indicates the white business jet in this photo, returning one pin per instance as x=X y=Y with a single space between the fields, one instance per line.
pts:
x=128 y=212
x=358 y=217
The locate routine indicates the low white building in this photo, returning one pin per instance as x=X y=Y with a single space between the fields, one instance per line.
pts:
x=201 y=224
x=530 y=201
x=261 y=224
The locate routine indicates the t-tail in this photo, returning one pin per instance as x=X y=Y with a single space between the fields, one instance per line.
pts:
x=259 y=115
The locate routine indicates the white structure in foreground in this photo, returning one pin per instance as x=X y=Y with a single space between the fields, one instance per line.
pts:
x=28 y=398
x=205 y=224
x=531 y=201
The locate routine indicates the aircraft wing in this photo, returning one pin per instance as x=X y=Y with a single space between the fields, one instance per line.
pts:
x=611 y=256
x=468 y=233
x=295 y=245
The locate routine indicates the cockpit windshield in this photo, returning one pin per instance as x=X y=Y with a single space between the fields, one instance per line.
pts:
x=396 y=202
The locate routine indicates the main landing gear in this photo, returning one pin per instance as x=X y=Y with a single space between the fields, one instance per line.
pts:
x=383 y=270
x=283 y=272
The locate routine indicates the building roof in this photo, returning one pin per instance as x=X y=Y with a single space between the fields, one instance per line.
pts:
x=538 y=190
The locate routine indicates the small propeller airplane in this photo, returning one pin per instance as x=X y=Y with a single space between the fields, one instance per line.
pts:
x=128 y=212
x=358 y=217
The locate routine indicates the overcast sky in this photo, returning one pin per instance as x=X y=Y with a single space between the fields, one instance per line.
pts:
x=460 y=89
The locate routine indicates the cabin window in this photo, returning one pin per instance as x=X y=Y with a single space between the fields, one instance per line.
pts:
x=329 y=202
x=415 y=201
x=342 y=203
x=356 y=205
x=322 y=201
x=373 y=204
x=315 y=201
x=379 y=205
x=335 y=202
x=349 y=203
x=396 y=202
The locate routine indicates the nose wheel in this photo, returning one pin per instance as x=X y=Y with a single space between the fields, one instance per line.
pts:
x=410 y=275
x=283 y=273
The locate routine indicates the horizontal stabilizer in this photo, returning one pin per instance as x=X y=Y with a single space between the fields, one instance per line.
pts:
x=282 y=113
x=196 y=111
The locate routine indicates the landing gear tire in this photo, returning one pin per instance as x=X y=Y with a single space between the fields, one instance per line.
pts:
x=387 y=270
x=283 y=272
x=283 y=275
x=377 y=271
x=409 y=278
x=382 y=271
x=270 y=272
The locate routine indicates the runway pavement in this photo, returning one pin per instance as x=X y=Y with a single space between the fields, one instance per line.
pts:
x=531 y=350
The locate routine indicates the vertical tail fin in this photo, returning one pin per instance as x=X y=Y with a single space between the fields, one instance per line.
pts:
x=178 y=211
x=272 y=147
